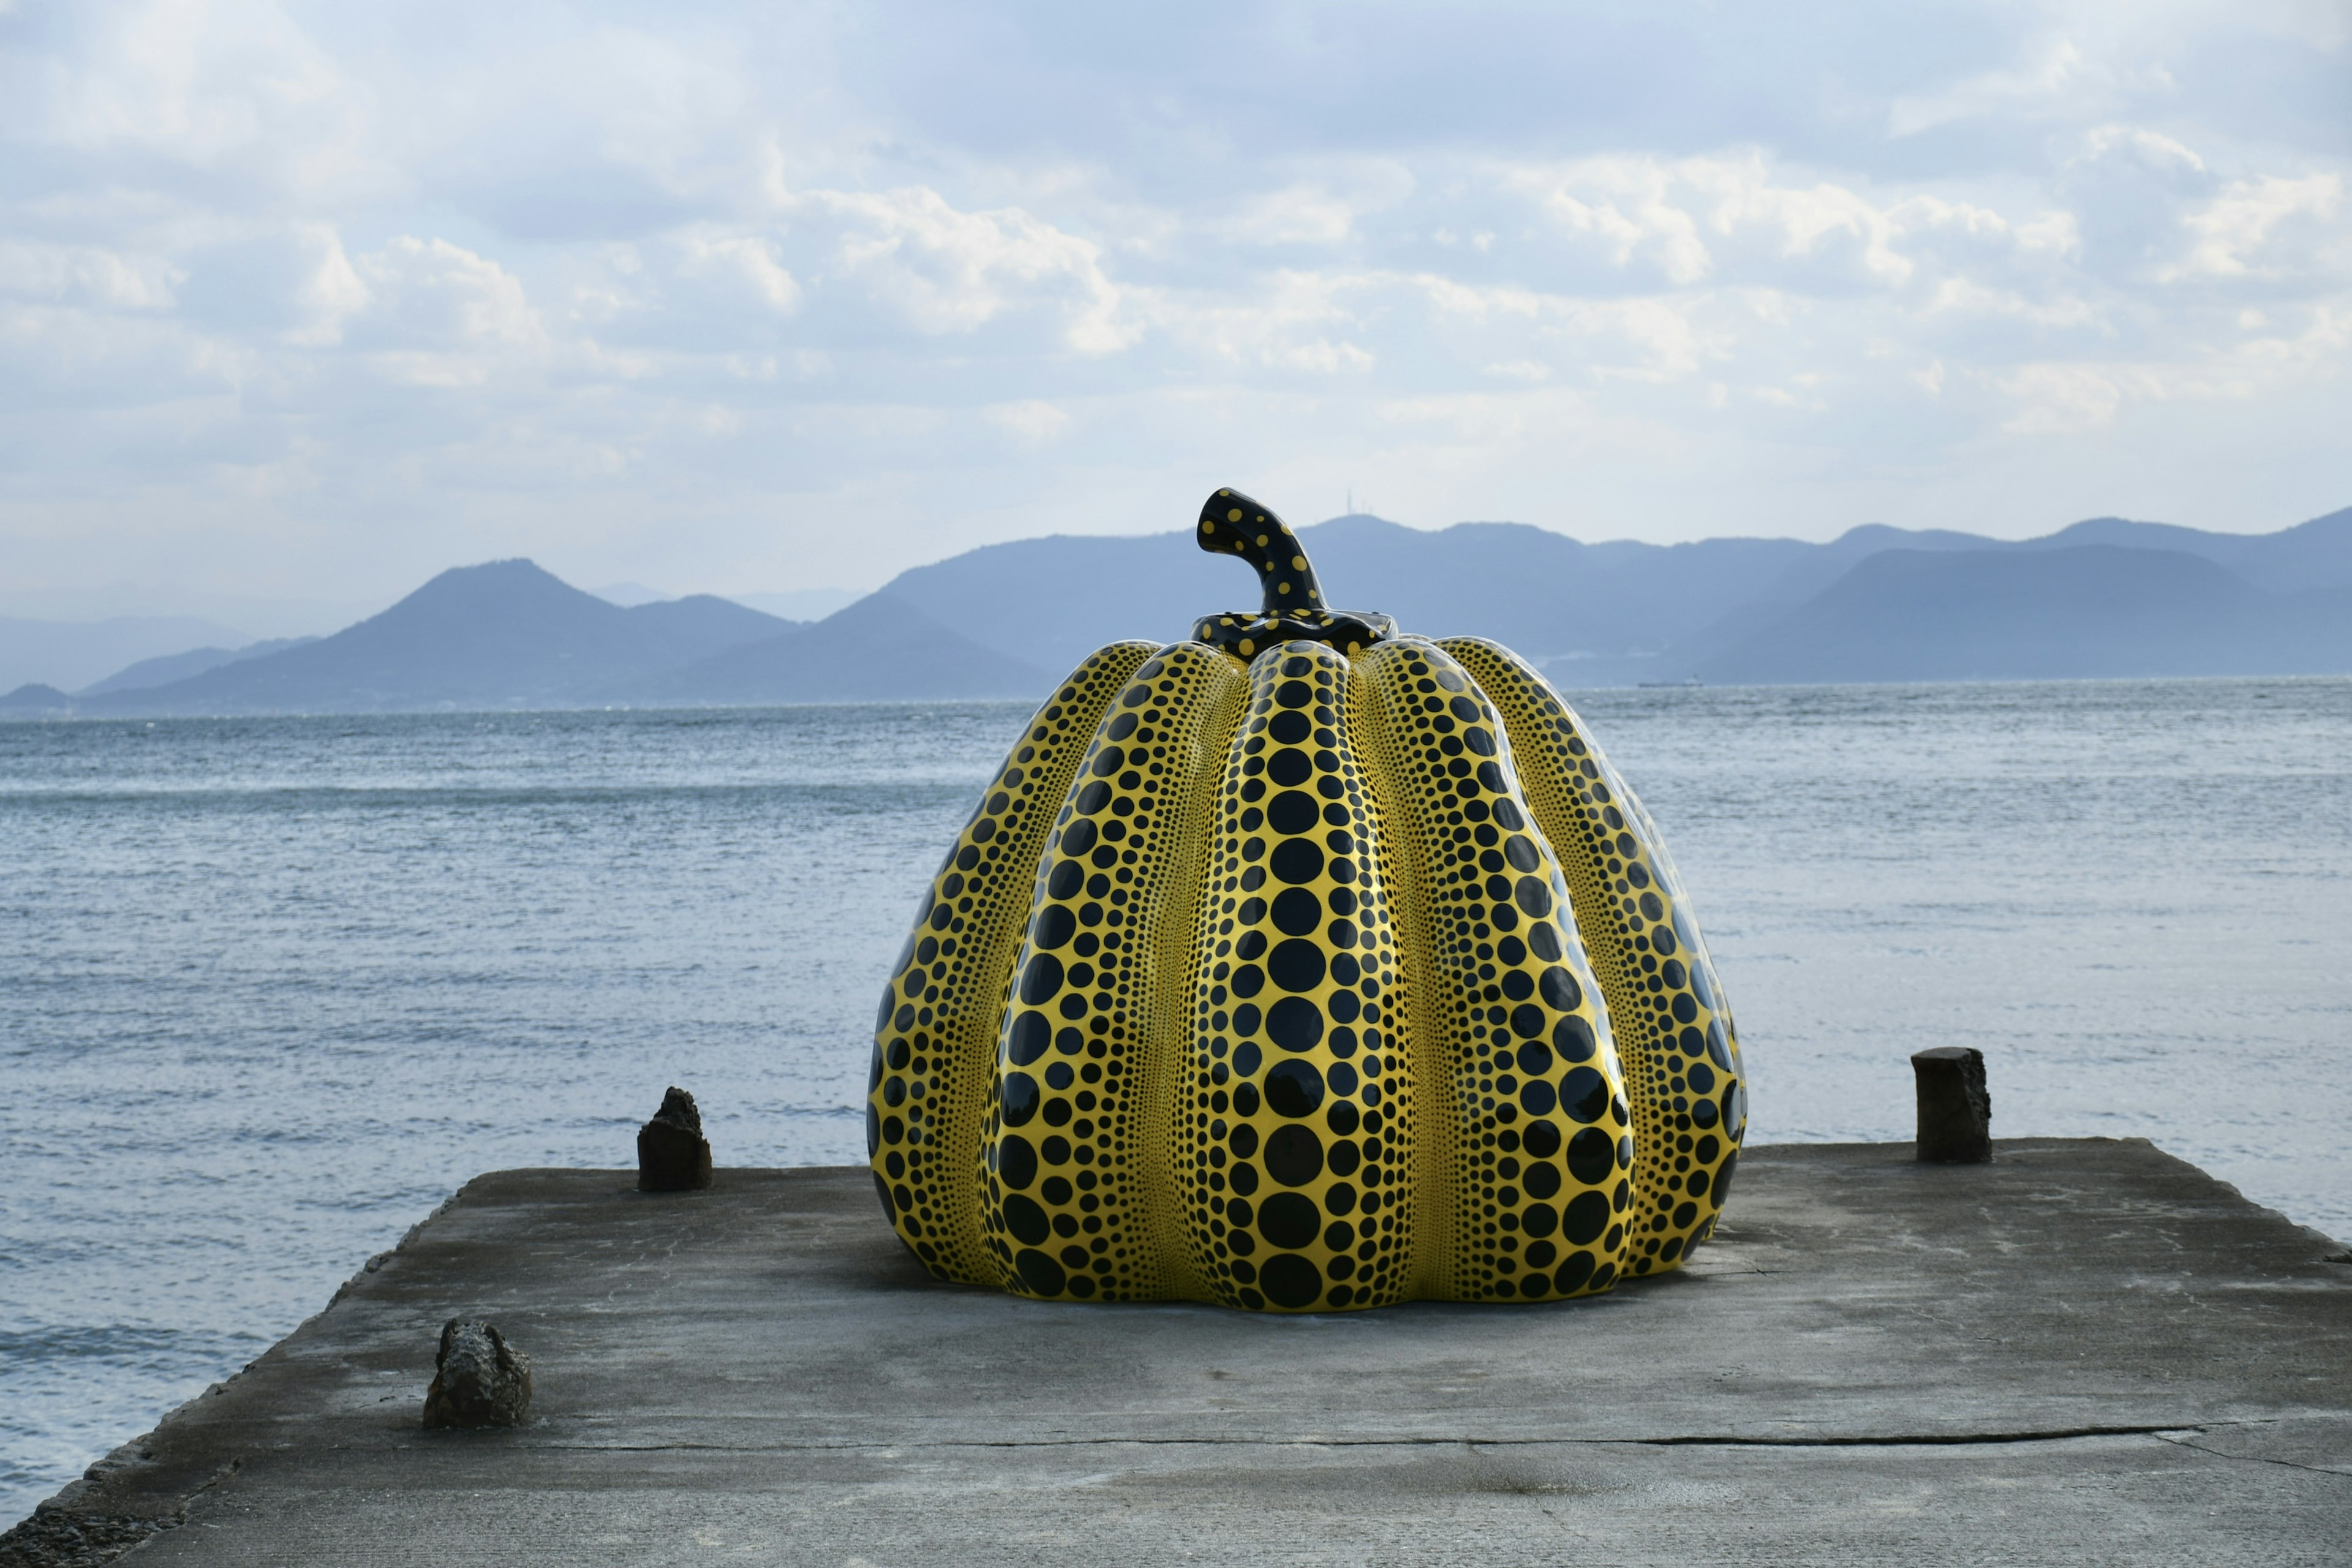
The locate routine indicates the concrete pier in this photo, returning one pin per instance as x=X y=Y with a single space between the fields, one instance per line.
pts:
x=2086 y=1351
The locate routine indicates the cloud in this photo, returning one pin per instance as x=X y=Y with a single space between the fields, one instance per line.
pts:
x=338 y=295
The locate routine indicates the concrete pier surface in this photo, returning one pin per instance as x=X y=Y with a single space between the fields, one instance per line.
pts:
x=2085 y=1352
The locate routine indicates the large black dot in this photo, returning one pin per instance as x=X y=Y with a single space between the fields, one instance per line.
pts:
x=1248 y=979
x=1536 y=1097
x=1541 y=1179
x=1041 y=979
x=1542 y=1139
x=1294 y=1089
x=1521 y=853
x=1535 y=1058
x=1294 y=693
x=1528 y=1021
x=1573 y=1274
x=1039 y=1272
x=1292 y=811
x=1572 y=1038
x=1591 y=1156
x=1584 y=1094
x=1538 y=1219
x=1027 y=1221
x=1293 y=1155
x=1289 y=766
x=1287 y=729
x=1031 y=1034
x=1544 y=939
x=1017 y=1162
x=1297 y=912
x=1298 y=860
x=1054 y=926
x=1289 y=1220
x=1507 y=817
x=1586 y=1218
x=1532 y=896
x=1067 y=878
x=1561 y=989
x=1290 y=1280
x=1297 y=965
x=1295 y=1024
x=1019 y=1097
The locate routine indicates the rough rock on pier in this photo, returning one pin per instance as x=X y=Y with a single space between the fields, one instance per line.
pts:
x=2081 y=1352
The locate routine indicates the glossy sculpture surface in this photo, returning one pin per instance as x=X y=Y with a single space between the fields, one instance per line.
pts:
x=1306 y=965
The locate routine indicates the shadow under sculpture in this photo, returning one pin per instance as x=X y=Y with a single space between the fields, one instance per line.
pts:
x=1304 y=964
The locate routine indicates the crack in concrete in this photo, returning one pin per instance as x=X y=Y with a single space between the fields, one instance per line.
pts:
x=1719 y=1440
x=2252 y=1458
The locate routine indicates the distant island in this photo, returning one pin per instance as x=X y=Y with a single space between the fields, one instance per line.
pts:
x=2106 y=597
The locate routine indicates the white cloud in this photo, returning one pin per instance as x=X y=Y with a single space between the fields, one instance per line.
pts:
x=2240 y=222
x=89 y=274
x=674 y=282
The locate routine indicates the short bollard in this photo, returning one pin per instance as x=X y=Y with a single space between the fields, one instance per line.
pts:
x=479 y=1379
x=1955 y=1110
x=672 y=1156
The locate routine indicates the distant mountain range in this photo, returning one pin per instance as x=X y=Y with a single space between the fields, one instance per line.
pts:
x=2106 y=597
x=509 y=634
x=1725 y=610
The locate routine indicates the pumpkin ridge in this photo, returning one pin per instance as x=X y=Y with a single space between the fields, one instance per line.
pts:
x=943 y=1005
x=1071 y=1206
x=1683 y=1073
x=1207 y=744
x=1518 y=1037
x=1384 y=716
x=1295 y=1093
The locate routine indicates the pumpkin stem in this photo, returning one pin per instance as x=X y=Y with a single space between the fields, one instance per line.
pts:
x=1232 y=523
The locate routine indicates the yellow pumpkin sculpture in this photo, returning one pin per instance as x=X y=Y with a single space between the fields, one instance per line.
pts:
x=1304 y=966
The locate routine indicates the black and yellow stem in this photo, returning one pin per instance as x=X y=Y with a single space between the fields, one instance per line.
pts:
x=1232 y=523
x=1293 y=609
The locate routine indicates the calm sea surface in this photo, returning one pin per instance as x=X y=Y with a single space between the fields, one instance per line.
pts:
x=270 y=989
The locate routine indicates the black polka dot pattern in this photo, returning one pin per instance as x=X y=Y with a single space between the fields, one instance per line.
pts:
x=1304 y=977
x=1516 y=1062
x=1295 y=1116
x=1096 y=997
x=936 y=1032
x=1671 y=1020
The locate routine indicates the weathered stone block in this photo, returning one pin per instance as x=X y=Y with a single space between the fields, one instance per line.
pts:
x=672 y=1156
x=479 y=1379
x=1955 y=1109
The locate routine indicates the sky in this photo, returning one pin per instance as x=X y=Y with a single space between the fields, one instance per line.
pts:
x=302 y=303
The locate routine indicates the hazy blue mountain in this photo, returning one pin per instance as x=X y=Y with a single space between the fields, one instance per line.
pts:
x=880 y=649
x=69 y=655
x=173 y=667
x=801 y=604
x=629 y=596
x=2106 y=597
x=502 y=635
x=1590 y=614
x=2314 y=555
x=2082 y=611
x=34 y=701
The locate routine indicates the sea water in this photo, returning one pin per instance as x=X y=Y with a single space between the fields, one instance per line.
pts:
x=270 y=989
